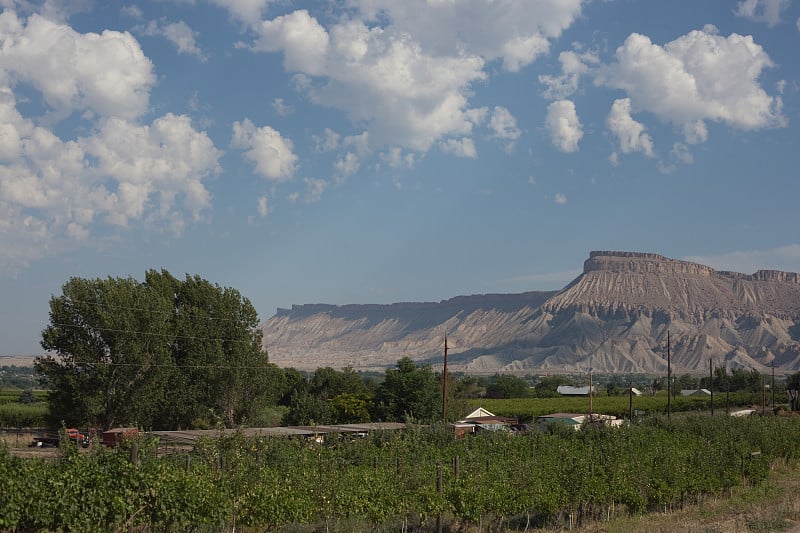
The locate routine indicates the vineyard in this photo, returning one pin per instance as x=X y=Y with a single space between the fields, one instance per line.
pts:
x=393 y=482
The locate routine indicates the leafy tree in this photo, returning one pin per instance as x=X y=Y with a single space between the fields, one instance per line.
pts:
x=26 y=397
x=348 y=408
x=409 y=391
x=471 y=387
x=687 y=382
x=548 y=386
x=507 y=386
x=165 y=353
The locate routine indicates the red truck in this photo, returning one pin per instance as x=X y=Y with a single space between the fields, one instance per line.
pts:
x=52 y=441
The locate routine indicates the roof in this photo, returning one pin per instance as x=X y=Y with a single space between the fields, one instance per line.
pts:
x=568 y=390
x=478 y=413
x=191 y=436
x=575 y=418
x=695 y=392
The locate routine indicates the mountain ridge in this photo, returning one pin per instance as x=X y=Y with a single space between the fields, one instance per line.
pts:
x=613 y=317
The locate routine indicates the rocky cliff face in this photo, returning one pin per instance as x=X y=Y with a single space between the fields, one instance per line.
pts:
x=614 y=317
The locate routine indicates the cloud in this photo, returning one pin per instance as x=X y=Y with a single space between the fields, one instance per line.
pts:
x=464 y=147
x=57 y=194
x=105 y=73
x=681 y=152
x=248 y=11
x=785 y=258
x=561 y=199
x=768 y=11
x=347 y=165
x=563 y=125
x=572 y=68
x=504 y=125
x=178 y=33
x=314 y=189
x=515 y=32
x=630 y=134
x=404 y=70
x=272 y=154
x=263 y=206
x=699 y=76
x=302 y=39
x=281 y=108
x=326 y=142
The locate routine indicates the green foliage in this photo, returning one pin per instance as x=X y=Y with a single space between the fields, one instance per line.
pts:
x=235 y=482
x=409 y=391
x=507 y=386
x=18 y=377
x=159 y=354
x=548 y=385
x=19 y=415
x=26 y=397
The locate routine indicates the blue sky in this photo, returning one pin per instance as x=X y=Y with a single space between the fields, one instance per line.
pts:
x=376 y=151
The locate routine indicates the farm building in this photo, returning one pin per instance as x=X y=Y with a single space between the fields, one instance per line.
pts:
x=573 y=420
x=567 y=390
x=316 y=433
x=576 y=421
x=695 y=392
x=482 y=420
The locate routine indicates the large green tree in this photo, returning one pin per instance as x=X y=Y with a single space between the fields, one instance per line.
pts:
x=409 y=392
x=164 y=353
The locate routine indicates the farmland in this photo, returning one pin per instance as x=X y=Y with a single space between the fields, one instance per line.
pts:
x=399 y=481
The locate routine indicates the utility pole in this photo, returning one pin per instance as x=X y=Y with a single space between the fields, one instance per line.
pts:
x=444 y=383
x=630 y=401
x=711 y=382
x=669 y=381
x=590 y=391
x=773 y=385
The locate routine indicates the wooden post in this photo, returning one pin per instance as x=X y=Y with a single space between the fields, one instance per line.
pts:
x=669 y=381
x=444 y=383
x=711 y=382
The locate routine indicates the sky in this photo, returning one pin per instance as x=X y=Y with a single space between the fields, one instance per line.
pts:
x=378 y=151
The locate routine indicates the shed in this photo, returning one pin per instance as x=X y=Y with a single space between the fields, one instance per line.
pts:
x=482 y=420
x=567 y=390
x=573 y=420
x=695 y=392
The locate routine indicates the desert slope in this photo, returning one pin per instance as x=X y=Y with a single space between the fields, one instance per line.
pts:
x=614 y=317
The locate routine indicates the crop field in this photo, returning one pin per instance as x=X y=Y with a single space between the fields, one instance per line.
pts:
x=393 y=482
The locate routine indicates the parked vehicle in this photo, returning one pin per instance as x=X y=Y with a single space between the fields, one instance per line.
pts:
x=52 y=440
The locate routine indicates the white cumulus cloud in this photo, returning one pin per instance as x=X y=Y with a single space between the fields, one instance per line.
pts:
x=404 y=70
x=630 y=134
x=56 y=194
x=103 y=73
x=699 y=76
x=572 y=68
x=464 y=147
x=768 y=11
x=563 y=125
x=272 y=154
x=178 y=33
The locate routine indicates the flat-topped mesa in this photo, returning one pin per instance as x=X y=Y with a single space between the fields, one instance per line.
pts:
x=645 y=263
x=776 y=275
x=642 y=263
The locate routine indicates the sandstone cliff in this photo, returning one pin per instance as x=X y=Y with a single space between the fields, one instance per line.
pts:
x=614 y=317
